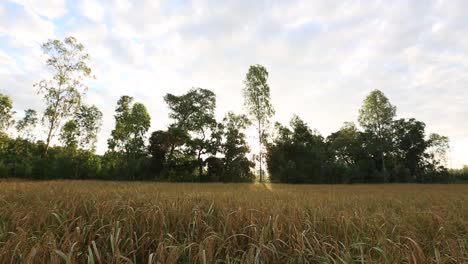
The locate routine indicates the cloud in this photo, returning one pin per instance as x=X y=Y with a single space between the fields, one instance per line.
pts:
x=23 y=26
x=323 y=56
x=92 y=9
x=49 y=8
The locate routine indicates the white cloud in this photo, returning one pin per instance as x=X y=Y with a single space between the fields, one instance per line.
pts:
x=92 y=9
x=47 y=8
x=24 y=26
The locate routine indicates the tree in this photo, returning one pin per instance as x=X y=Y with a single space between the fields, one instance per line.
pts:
x=159 y=145
x=409 y=146
x=258 y=103
x=6 y=114
x=132 y=121
x=376 y=116
x=438 y=148
x=62 y=93
x=193 y=113
x=352 y=154
x=297 y=154
x=193 y=110
x=89 y=121
x=235 y=149
x=81 y=131
x=167 y=151
x=346 y=144
x=26 y=125
x=69 y=135
x=79 y=135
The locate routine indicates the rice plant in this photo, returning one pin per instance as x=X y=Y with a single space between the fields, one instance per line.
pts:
x=132 y=222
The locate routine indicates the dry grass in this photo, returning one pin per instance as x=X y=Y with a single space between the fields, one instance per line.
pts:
x=107 y=222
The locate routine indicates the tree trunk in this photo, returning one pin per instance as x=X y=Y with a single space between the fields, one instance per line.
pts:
x=260 y=150
x=49 y=137
x=200 y=166
x=384 y=169
x=77 y=167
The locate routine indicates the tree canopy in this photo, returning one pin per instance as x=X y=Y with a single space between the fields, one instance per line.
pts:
x=196 y=146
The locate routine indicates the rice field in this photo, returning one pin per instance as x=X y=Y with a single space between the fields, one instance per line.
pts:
x=138 y=222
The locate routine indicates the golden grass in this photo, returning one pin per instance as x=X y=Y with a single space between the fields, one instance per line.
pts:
x=109 y=222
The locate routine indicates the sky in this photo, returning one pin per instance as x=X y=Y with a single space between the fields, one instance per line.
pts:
x=323 y=57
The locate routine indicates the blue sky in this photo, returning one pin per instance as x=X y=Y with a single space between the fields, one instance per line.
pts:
x=324 y=57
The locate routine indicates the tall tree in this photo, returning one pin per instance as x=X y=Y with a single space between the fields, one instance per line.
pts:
x=27 y=124
x=258 y=103
x=62 y=93
x=193 y=112
x=235 y=148
x=376 y=117
x=6 y=114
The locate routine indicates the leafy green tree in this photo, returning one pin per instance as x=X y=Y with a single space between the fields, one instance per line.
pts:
x=346 y=144
x=62 y=93
x=297 y=154
x=351 y=152
x=258 y=103
x=177 y=138
x=435 y=163
x=69 y=135
x=409 y=146
x=193 y=113
x=376 y=117
x=460 y=175
x=168 y=153
x=79 y=135
x=438 y=148
x=89 y=121
x=127 y=141
x=81 y=132
x=235 y=149
x=6 y=114
x=27 y=124
x=132 y=121
x=159 y=145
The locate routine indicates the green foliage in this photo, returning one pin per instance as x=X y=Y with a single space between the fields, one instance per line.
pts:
x=297 y=154
x=6 y=114
x=132 y=121
x=235 y=166
x=89 y=121
x=69 y=134
x=27 y=124
x=460 y=175
x=409 y=149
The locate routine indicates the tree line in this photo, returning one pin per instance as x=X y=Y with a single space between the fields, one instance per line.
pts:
x=197 y=147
